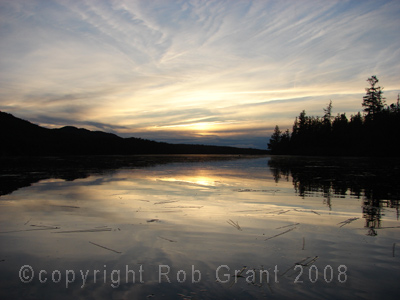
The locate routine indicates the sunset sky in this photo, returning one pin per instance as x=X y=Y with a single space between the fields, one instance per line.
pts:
x=210 y=72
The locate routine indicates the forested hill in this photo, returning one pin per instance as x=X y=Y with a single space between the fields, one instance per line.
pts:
x=376 y=132
x=20 y=137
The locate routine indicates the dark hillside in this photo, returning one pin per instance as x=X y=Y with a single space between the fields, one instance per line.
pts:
x=20 y=137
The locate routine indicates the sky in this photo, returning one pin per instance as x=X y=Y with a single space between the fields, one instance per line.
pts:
x=208 y=72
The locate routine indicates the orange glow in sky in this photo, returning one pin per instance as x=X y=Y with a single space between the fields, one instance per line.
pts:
x=209 y=72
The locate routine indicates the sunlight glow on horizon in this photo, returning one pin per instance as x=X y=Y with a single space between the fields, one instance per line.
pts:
x=185 y=71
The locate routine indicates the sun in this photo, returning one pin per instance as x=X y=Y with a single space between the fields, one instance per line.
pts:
x=202 y=126
x=199 y=127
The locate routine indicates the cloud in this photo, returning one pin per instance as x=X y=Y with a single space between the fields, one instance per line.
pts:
x=142 y=67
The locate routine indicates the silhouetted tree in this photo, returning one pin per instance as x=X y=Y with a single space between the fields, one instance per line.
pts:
x=373 y=101
x=395 y=107
x=374 y=134
x=340 y=122
x=328 y=113
x=275 y=139
x=285 y=142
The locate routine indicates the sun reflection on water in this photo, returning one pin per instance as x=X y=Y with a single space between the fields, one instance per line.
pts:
x=204 y=214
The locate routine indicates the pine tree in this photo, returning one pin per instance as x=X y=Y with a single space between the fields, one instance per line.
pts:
x=275 y=139
x=373 y=101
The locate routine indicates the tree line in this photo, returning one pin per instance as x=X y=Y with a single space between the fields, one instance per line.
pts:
x=375 y=132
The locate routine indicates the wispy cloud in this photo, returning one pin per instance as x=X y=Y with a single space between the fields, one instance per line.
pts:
x=154 y=67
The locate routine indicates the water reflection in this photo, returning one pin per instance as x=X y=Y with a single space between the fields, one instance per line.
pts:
x=18 y=172
x=373 y=180
x=200 y=211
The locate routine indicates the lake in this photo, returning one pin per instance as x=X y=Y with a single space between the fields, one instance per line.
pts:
x=199 y=227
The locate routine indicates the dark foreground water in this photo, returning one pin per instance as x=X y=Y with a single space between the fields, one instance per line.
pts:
x=199 y=227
